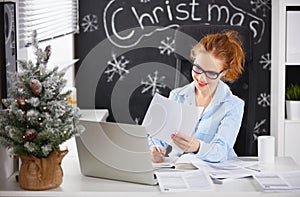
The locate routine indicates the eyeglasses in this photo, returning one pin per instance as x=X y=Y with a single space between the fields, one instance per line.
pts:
x=209 y=74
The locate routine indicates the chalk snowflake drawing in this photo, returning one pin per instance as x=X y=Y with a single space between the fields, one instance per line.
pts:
x=144 y=1
x=258 y=130
x=154 y=83
x=89 y=23
x=167 y=46
x=265 y=61
x=261 y=5
x=264 y=100
x=117 y=66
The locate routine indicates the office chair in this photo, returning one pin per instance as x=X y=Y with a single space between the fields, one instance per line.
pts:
x=185 y=38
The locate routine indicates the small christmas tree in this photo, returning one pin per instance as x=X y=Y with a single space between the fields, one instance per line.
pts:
x=38 y=117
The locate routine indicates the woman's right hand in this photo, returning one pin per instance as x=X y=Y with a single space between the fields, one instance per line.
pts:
x=157 y=157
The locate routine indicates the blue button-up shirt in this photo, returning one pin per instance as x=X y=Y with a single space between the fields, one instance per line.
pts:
x=219 y=124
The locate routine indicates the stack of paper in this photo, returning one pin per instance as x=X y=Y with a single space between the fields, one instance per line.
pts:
x=229 y=169
x=279 y=182
x=180 y=181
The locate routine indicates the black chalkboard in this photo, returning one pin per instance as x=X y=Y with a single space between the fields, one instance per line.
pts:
x=126 y=51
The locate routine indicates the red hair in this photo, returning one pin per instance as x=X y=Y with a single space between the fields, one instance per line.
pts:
x=226 y=47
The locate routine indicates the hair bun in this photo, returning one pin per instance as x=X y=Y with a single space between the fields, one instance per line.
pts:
x=233 y=36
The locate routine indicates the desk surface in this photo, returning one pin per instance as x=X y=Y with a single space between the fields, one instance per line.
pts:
x=74 y=184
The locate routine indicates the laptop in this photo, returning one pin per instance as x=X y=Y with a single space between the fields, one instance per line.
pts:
x=115 y=151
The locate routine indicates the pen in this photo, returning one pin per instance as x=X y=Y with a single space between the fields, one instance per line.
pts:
x=158 y=150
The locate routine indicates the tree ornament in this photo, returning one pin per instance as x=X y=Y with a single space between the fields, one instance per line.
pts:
x=22 y=102
x=47 y=52
x=30 y=134
x=35 y=86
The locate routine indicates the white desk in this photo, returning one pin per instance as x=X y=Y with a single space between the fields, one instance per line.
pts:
x=74 y=184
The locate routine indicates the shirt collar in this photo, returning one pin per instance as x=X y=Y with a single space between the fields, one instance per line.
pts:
x=220 y=94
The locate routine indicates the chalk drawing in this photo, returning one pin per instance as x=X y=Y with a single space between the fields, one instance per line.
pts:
x=117 y=66
x=89 y=23
x=167 y=46
x=265 y=61
x=264 y=100
x=154 y=83
x=253 y=23
x=180 y=13
x=259 y=130
x=261 y=5
x=144 y=1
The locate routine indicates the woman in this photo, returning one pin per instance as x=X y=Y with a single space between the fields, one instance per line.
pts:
x=216 y=58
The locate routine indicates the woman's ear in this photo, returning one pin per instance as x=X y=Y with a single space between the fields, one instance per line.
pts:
x=223 y=74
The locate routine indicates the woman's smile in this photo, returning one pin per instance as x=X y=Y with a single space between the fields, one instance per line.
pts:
x=201 y=84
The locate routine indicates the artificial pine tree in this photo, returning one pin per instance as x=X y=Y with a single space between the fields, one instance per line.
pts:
x=38 y=117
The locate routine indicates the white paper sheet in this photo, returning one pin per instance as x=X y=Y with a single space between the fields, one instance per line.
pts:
x=165 y=117
x=229 y=169
x=181 y=181
x=279 y=182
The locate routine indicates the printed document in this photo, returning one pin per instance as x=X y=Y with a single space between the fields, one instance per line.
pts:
x=165 y=116
x=279 y=182
x=230 y=169
x=181 y=181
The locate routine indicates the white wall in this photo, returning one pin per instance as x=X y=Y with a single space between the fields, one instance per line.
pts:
x=7 y=164
x=62 y=55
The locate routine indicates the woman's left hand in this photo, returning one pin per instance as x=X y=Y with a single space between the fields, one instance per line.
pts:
x=186 y=143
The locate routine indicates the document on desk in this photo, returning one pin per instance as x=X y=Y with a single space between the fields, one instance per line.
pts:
x=229 y=169
x=279 y=182
x=165 y=116
x=185 y=161
x=182 y=181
